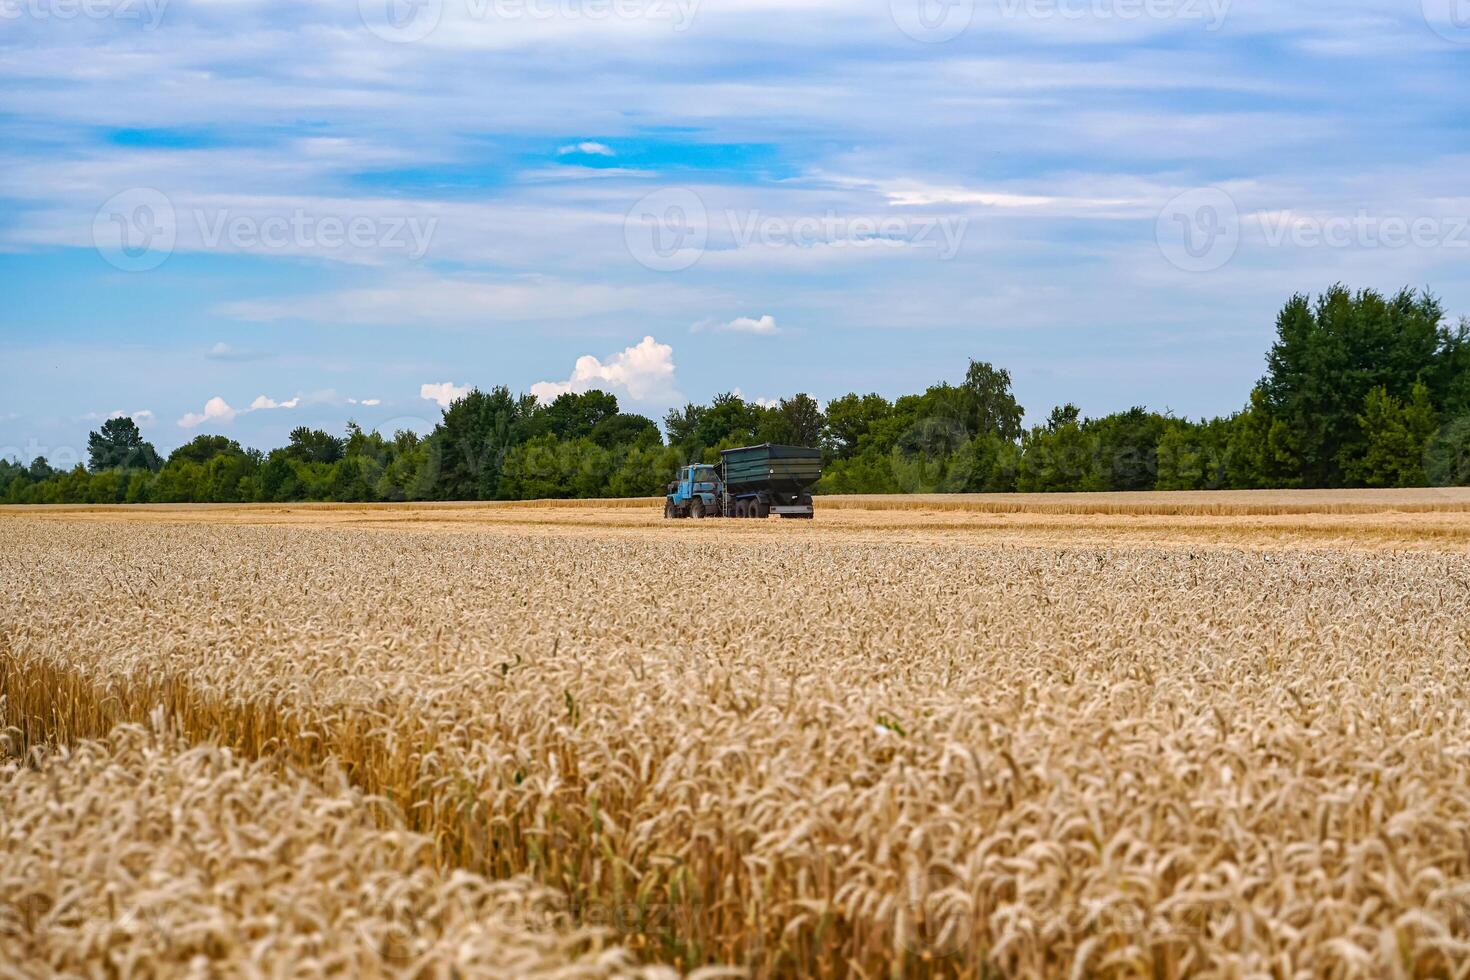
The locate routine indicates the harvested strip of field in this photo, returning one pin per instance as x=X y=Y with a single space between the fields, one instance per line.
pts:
x=1432 y=519
x=1170 y=503
x=808 y=751
x=142 y=856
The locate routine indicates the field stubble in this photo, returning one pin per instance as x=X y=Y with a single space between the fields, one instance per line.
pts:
x=803 y=749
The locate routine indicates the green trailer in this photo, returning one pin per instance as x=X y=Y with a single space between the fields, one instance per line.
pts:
x=769 y=479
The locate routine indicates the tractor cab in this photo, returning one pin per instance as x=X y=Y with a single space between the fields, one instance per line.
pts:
x=695 y=493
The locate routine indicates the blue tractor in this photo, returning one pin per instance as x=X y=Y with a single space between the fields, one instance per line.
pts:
x=696 y=493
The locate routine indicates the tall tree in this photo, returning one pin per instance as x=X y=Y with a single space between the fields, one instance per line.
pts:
x=989 y=405
x=468 y=447
x=1326 y=359
x=626 y=430
x=572 y=416
x=682 y=423
x=118 y=444
x=803 y=420
x=849 y=419
x=314 y=446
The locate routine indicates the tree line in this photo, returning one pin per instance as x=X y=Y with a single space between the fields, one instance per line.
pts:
x=1360 y=390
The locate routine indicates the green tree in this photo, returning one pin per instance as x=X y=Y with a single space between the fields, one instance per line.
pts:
x=1057 y=457
x=626 y=430
x=1126 y=446
x=201 y=449
x=1395 y=436
x=119 y=444
x=469 y=445
x=574 y=416
x=988 y=403
x=643 y=471
x=1326 y=359
x=310 y=445
x=848 y=420
x=682 y=423
x=802 y=420
x=1447 y=457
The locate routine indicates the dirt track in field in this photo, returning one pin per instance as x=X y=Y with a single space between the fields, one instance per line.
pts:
x=1430 y=520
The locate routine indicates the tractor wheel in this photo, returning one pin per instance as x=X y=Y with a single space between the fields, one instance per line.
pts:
x=696 y=508
x=669 y=512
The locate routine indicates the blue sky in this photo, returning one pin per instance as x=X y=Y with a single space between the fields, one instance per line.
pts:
x=334 y=211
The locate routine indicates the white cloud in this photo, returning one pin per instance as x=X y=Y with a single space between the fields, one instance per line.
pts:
x=741 y=324
x=219 y=410
x=143 y=417
x=215 y=410
x=587 y=147
x=642 y=372
x=261 y=401
x=445 y=393
x=370 y=402
x=762 y=402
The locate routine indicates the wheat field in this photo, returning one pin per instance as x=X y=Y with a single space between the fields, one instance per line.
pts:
x=582 y=741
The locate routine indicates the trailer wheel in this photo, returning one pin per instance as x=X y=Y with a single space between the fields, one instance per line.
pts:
x=762 y=509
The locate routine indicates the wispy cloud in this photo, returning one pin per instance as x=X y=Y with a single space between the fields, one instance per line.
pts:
x=445 y=300
x=765 y=325
x=587 y=148
x=143 y=417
